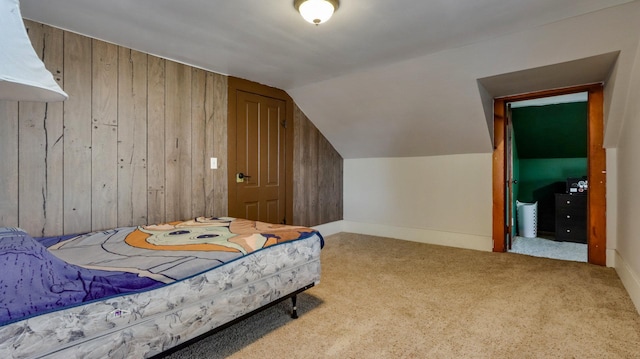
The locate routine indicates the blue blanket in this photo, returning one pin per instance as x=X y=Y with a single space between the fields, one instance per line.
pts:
x=47 y=274
x=34 y=281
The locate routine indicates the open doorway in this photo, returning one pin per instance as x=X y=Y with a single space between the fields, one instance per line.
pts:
x=548 y=171
x=596 y=172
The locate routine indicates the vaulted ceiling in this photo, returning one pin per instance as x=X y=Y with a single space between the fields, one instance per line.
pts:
x=383 y=78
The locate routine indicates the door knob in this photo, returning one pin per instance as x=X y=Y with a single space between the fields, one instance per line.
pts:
x=240 y=177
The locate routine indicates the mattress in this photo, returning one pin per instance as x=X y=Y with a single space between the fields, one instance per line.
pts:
x=194 y=290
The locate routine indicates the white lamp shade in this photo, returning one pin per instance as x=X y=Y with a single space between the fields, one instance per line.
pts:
x=23 y=76
x=316 y=11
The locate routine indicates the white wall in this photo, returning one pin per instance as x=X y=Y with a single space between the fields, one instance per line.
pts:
x=440 y=199
x=612 y=205
x=447 y=199
x=628 y=176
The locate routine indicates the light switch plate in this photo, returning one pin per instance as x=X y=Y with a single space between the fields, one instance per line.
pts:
x=214 y=163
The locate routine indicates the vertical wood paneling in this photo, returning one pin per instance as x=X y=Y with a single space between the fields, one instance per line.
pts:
x=499 y=229
x=329 y=182
x=597 y=172
x=299 y=169
x=209 y=145
x=32 y=153
x=9 y=155
x=77 y=134
x=178 y=141
x=318 y=169
x=53 y=58
x=310 y=155
x=216 y=144
x=132 y=137
x=338 y=180
x=104 y=155
x=199 y=167
x=156 y=139
x=40 y=145
x=122 y=115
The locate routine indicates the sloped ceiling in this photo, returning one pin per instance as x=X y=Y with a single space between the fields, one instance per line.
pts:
x=381 y=78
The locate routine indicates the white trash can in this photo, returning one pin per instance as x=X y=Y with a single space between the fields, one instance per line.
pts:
x=527 y=219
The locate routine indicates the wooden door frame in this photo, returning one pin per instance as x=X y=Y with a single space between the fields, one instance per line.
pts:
x=596 y=169
x=237 y=84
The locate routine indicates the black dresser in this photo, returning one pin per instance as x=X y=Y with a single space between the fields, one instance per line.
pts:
x=571 y=217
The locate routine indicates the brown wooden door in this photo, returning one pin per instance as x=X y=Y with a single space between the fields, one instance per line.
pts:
x=260 y=158
x=596 y=168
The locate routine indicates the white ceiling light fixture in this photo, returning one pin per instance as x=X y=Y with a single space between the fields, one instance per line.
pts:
x=23 y=76
x=316 y=11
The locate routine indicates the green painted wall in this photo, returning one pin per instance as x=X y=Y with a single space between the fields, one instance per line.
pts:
x=540 y=179
x=537 y=174
x=551 y=143
x=552 y=131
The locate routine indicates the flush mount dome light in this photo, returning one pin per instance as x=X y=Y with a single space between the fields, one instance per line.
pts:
x=316 y=11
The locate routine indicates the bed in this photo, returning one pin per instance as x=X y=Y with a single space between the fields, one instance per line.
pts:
x=140 y=291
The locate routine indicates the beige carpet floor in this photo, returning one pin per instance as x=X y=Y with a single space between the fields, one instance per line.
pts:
x=385 y=298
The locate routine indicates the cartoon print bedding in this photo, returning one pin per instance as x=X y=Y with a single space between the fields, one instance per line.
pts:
x=47 y=274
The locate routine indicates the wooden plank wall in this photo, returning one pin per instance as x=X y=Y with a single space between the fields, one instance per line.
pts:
x=41 y=152
x=77 y=134
x=131 y=145
x=318 y=169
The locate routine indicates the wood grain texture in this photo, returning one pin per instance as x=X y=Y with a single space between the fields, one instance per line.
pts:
x=329 y=182
x=9 y=153
x=235 y=86
x=104 y=136
x=318 y=170
x=310 y=158
x=53 y=58
x=80 y=165
x=156 y=138
x=209 y=144
x=40 y=145
x=132 y=137
x=199 y=165
x=32 y=153
x=77 y=134
x=178 y=142
x=499 y=176
x=289 y=164
x=216 y=144
x=597 y=174
x=299 y=170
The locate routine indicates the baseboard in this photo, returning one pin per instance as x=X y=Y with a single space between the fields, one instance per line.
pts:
x=328 y=229
x=611 y=258
x=629 y=278
x=459 y=240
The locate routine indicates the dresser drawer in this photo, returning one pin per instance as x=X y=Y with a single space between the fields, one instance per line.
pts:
x=566 y=203
x=571 y=218
x=571 y=232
